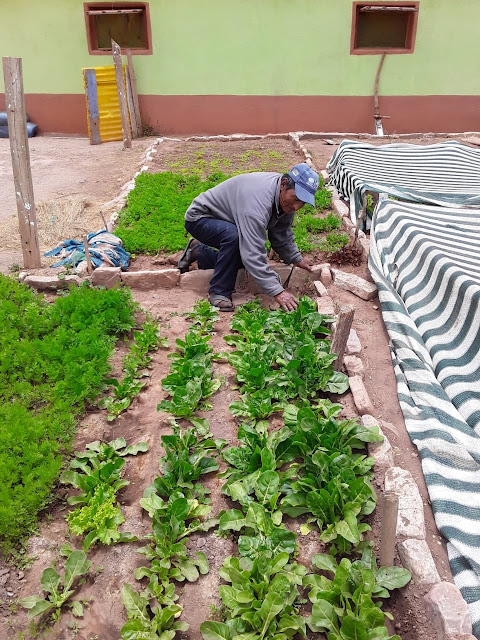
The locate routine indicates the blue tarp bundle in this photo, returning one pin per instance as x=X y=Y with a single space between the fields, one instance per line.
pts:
x=104 y=248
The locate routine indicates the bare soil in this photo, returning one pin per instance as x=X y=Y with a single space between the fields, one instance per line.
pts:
x=106 y=614
x=62 y=169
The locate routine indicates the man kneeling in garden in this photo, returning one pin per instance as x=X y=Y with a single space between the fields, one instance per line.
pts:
x=230 y=223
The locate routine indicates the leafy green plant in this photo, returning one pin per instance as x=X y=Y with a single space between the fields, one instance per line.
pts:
x=191 y=378
x=334 y=242
x=96 y=472
x=137 y=358
x=54 y=358
x=59 y=591
x=344 y=606
x=147 y=621
x=203 y=316
x=289 y=361
x=261 y=599
x=153 y=219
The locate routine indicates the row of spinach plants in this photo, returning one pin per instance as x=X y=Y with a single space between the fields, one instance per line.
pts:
x=177 y=502
x=313 y=467
x=135 y=364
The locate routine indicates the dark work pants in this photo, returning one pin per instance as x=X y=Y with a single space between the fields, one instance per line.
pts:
x=221 y=235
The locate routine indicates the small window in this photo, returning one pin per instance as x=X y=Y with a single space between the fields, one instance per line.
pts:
x=379 y=27
x=128 y=23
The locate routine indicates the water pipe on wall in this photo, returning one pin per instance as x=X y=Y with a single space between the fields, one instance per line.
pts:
x=376 y=109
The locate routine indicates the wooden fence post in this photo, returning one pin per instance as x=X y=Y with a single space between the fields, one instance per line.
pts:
x=389 y=529
x=122 y=98
x=133 y=88
x=342 y=331
x=22 y=173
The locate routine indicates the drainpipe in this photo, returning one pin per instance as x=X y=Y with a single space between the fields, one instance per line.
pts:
x=376 y=109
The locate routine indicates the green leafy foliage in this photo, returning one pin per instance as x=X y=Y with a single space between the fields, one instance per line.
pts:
x=153 y=219
x=53 y=360
x=278 y=358
x=261 y=599
x=334 y=242
x=343 y=606
x=59 y=591
x=137 y=358
x=191 y=374
x=147 y=621
x=203 y=316
x=96 y=472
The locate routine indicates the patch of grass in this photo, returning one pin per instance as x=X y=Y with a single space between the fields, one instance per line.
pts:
x=153 y=220
x=53 y=359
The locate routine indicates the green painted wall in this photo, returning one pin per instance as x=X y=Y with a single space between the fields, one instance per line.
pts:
x=249 y=47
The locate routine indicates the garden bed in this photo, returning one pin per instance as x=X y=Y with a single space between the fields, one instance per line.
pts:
x=105 y=614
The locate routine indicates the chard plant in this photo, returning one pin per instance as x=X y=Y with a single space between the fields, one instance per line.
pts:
x=280 y=357
x=147 y=620
x=344 y=605
x=58 y=590
x=261 y=599
x=96 y=472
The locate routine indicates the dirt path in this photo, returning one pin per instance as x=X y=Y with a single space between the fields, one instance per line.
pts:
x=65 y=168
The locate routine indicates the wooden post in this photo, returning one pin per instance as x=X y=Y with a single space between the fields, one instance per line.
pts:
x=122 y=99
x=92 y=106
x=22 y=173
x=340 y=337
x=87 y=255
x=104 y=221
x=133 y=86
x=131 y=108
x=363 y=214
x=389 y=529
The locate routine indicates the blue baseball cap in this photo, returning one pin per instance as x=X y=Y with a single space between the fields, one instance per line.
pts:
x=306 y=182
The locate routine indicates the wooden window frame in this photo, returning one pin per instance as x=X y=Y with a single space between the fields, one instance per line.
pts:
x=411 y=31
x=91 y=32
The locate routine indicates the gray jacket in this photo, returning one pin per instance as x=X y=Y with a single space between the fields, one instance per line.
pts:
x=251 y=202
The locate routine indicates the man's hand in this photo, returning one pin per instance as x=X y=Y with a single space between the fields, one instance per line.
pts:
x=287 y=301
x=304 y=264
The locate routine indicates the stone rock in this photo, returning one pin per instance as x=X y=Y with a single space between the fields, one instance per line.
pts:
x=320 y=288
x=241 y=283
x=324 y=174
x=411 y=522
x=51 y=283
x=22 y=275
x=326 y=306
x=448 y=611
x=107 y=277
x=356 y=285
x=317 y=268
x=340 y=207
x=460 y=636
x=197 y=281
x=354 y=366
x=353 y=344
x=326 y=276
x=360 y=396
x=381 y=452
x=161 y=279
x=416 y=557
x=299 y=278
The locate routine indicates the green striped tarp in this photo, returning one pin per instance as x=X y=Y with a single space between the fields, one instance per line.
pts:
x=446 y=174
x=426 y=263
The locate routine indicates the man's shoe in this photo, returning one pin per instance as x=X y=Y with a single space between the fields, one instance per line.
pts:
x=221 y=302
x=189 y=256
